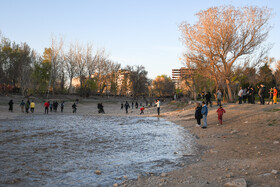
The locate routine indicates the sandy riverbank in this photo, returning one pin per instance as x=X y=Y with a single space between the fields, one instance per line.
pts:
x=246 y=146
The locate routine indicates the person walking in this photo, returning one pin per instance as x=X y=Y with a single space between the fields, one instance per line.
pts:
x=220 y=113
x=219 y=97
x=142 y=110
x=74 y=107
x=51 y=106
x=132 y=104
x=244 y=95
x=240 y=95
x=261 y=94
x=136 y=105
x=121 y=105
x=253 y=95
x=249 y=95
x=11 y=105
x=100 y=108
x=62 y=106
x=46 y=105
x=22 y=104
x=158 y=106
x=32 y=106
x=27 y=106
x=270 y=96
x=208 y=99
x=275 y=92
x=204 y=112
x=126 y=106
x=198 y=115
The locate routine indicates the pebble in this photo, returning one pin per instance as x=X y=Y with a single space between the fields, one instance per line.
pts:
x=234 y=132
x=162 y=180
x=229 y=175
x=163 y=175
x=115 y=185
x=236 y=183
x=276 y=142
x=97 y=172
x=213 y=151
x=274 y=171
x=125 y=177
x=160 y=184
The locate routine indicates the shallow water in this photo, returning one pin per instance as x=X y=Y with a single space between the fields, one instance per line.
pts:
x=66 y=150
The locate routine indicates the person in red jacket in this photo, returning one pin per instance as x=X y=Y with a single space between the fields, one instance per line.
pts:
x=220 y=113
x=46 y=105
x=142 y=110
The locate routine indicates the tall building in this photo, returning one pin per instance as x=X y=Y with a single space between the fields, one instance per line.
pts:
x=180 y=75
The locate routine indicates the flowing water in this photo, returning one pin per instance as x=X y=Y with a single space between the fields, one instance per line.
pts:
x=66 y=150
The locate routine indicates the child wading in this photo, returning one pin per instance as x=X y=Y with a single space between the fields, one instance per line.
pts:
x=204 y=112
x=142 y=110
x=198 y=114
x=220 y=113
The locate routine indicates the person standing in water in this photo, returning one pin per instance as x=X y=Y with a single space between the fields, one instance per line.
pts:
x=32 y=106
x=62 y=106
x=22 y=104
x=46 y=105
x=126 y=106
x=74 y=107
x=27 y=105
x=11 y=107
x=142 y=110
x=158 y=106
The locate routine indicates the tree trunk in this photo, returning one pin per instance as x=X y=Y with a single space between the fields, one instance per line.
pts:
x=229 y=90
x=70 y=86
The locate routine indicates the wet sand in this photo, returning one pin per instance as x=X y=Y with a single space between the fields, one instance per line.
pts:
x=246 y=146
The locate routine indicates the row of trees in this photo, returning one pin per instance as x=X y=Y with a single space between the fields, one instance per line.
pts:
x=23 y=70
x=242 y=77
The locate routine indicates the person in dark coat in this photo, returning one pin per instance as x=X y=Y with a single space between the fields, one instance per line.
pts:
x=253 y=95
x=11 y=107
x=126 y=106
x=198 y=114
x=100 y=108
x=208 y=99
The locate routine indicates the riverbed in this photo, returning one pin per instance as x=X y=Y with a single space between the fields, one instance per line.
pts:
x=66 y=150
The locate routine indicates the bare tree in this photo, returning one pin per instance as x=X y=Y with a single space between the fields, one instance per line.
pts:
x=80 y=63
x=224 y=37
x=70 y=65
x=56 y=60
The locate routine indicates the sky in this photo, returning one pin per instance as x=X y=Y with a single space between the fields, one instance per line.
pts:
x=133 y=32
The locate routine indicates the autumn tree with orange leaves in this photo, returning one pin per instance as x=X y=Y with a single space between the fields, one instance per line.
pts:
x=225 y=37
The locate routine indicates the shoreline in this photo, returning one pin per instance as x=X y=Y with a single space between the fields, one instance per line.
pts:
x=246 y=146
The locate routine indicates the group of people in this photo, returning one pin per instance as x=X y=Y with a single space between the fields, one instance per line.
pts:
x=248 y=94
x=23 y=105
x=53 y=106
x=201 y=112
x=127 y=106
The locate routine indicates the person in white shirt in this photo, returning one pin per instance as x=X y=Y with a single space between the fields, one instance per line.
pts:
x=240 y=94
x=158 y=106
